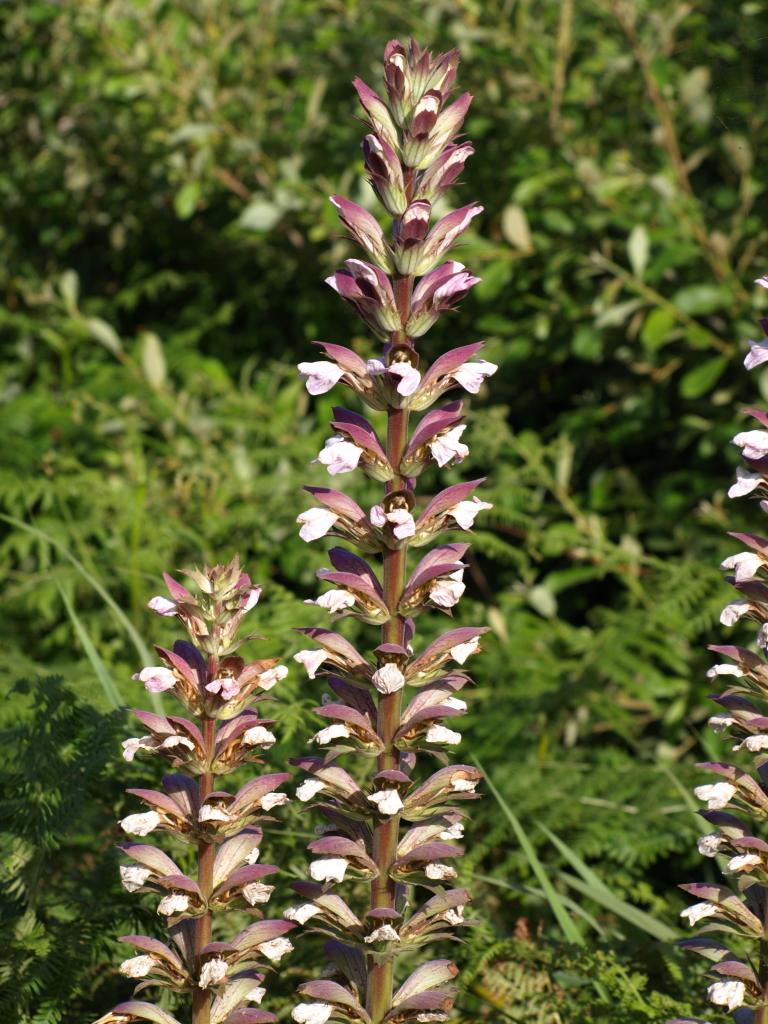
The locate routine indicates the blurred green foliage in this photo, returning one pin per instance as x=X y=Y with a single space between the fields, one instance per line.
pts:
x=166 y=232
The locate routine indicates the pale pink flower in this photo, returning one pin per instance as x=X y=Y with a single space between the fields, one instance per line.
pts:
x=137 y=966
x=311 y=660
x=339 y=456
x=162 y=605
x=334 y=601
x=447 y=447
x=753 y=443
x=156 y=678
x=746 y=565
x=461 y=652
x=746 y=482
x=465 y=512
x=734 y=611
x=315 y=523
x=321 y=376
x=410 y=378
x=400 y=518
x=471 y=375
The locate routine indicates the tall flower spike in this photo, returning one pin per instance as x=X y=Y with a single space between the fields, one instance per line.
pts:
x=219 y=690
x=740 y=982
x=395 y=706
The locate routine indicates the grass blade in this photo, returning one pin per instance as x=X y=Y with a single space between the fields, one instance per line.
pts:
x=111 y=692
x=566 y=922
x=593 y=887
x=103 y=593
x=532 y=890
x=131 y=632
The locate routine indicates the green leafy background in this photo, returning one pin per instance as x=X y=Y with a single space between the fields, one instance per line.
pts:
x=165 y=173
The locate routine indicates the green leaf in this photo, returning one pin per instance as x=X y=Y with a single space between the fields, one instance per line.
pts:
x=69 y=289
x=698 y=299
x=657 y=328
x=638 y=249
x=185 y=200
x=259 y=215
x=702 y=378
x=105 y=334
x=153 y=360
x=514 y=227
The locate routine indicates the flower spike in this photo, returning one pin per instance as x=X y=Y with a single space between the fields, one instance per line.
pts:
x=741 y=906
x=400 y=703
x=220 y=690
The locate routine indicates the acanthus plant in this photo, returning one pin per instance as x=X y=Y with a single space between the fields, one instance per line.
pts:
x=739 y=910
x=222 y=980
x=392 y=828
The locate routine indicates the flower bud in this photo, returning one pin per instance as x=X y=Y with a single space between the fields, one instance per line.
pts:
x=385 y=169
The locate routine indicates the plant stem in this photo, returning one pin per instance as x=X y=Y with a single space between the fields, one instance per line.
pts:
x=201 y=998
x=386 y=833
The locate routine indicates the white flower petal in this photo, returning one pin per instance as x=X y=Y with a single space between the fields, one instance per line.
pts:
x=387 y=800
x=335 y=601
x=137 y=966
x=698 y=911
x=328 y=869
x=257 y=892
x=275 y=949
x=140 y=824
x=258 y=736
x=388 y=678
x=746 y=565
x=302 y=913
x=311 y=1013
x=716 y=796
x=471 y=375
x=133 y=877
x=174 y=903
x=308 y=789
x=213 y=971
x=272 y=800
x=337 y=731
x=727 y=993
x=439 y=734
x=439 y=872
x=385 y=933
